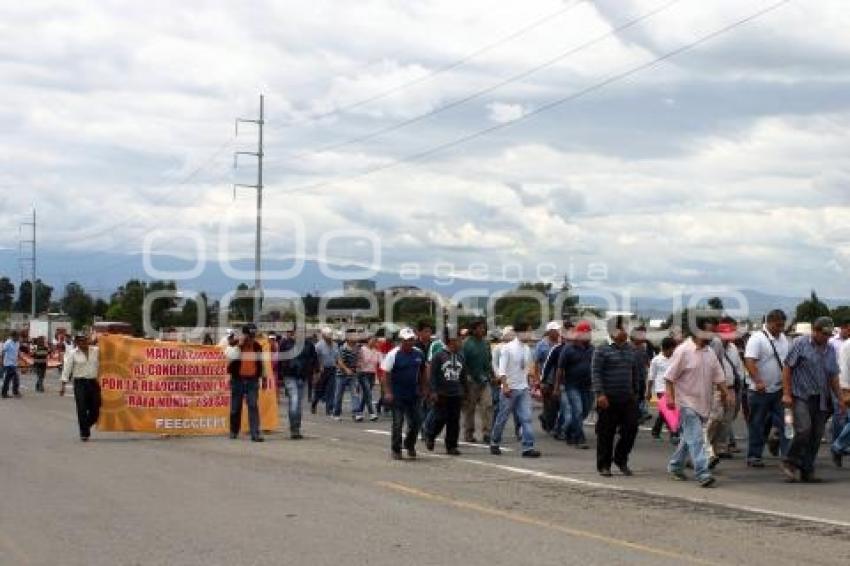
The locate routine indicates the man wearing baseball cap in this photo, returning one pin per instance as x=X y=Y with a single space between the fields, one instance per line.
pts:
x=328 y=352
x=515 y=393
x=551 y=418
x=723 y=414
x=404 y=389
x=247 y=385
x=547 y=383
x=809 y=375
x=574 y=384
x=614 y=379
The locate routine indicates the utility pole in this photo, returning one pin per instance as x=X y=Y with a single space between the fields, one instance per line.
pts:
x=31 y=259
x=259 y=187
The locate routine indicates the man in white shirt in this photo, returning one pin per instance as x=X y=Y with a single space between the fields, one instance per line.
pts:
x=658 y=385
x=842 y=336
x=841 y=434
x=764 y=355
x=844 y=367
x=514 y=396
x=838 y=342
x=81 y=365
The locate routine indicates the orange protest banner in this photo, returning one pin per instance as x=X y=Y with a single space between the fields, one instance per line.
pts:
x=172 y=388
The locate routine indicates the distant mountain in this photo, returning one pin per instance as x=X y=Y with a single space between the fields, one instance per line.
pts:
x=755 y=303
x=101 y=273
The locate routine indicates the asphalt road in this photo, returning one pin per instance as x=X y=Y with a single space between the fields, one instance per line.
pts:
x=336 y=498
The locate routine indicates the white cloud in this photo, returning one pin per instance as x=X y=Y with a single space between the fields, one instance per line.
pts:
x=501 y=112
x=726 y=163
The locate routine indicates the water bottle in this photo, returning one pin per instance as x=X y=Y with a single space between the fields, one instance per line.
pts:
x=789 y=424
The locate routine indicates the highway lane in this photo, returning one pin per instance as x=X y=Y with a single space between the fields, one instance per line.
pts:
x=336 y=497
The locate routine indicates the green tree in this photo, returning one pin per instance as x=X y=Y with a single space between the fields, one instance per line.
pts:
x=42 y=296
x=192 y=309
x=811 y=309
x=311 y=306
x=126 y=304
x=570 y=300
x=515 y=308
x=413 y=309
x=99 y=308
x=7 y=294
x=78 y=305
x=242 y=308
x=683 y=319
x=841 y=315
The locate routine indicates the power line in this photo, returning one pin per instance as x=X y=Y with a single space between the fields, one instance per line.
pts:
x=216 y=153
x=477 y=94
x=553 y=104
x=212 y=157
x=438 y=71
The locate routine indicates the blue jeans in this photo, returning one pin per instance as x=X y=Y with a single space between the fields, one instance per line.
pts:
x=764 y=408
x=519 y=403
x=691 y=440
x=838 y=421
x=575 y=406
x=405 y=410
x=365 y=381
x=249 y=390
x=809 y=425
x=295 y=392
x=10 y=375
x=495 y=393
x=841 y=445
x=325 y=389
x=344 y=382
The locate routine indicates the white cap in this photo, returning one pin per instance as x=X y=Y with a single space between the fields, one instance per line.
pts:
x=327 y=331
x=554 y=325
x=407 y=334
x=231 y=332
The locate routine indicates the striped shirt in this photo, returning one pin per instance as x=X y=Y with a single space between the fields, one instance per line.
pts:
x=812 y=369
x=348 y=355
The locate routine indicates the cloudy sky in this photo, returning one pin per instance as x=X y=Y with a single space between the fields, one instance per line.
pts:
x=724 y=165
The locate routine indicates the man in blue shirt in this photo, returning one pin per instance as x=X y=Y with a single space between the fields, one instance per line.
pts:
x=809 y=377
x=327 y=351
x=405 y=387
x=299 y=373
x=574 y=384
x=11 y=347
x=550 y=340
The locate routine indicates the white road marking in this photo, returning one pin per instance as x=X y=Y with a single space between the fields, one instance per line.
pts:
x=650 y=493
x=473 y=444
x=645 y=492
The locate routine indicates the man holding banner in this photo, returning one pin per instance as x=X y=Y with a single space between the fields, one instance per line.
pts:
x=247 y=385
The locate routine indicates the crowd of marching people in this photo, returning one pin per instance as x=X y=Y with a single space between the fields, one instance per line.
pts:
x=463 y=384
x=466 y=384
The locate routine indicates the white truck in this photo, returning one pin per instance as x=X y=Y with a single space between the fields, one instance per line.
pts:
x=48 y=329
